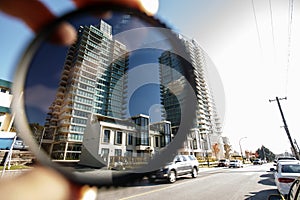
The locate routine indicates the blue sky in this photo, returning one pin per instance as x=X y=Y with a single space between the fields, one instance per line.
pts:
x=252 y=66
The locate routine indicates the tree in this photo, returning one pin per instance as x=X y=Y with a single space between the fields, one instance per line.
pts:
x=227 y=149
x=37 y=130
x=264 y=153
x=247 y=154
x=216 y=149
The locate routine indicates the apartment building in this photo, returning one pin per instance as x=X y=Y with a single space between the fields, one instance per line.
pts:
x=207 y=127
x=94 y=84
x=6 y=118
x=94 y=69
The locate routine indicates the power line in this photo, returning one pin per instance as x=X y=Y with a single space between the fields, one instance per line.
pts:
x=272 y=29
x=257 y=29
x=290 y=22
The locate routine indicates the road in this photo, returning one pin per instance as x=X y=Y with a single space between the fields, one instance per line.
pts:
x=253 y=182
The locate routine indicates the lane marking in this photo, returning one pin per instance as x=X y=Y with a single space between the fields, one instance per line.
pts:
x=156 y=190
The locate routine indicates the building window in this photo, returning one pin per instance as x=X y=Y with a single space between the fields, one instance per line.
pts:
x=118 y=152
x=129 y=139
x=118 y=139
x=104 y=154
x=106 y=136
x=129 y=153
x=156 y=141
x=195 y=146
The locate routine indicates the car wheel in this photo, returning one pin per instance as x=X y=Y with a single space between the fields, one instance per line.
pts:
x=194 y=172
x=172 y=176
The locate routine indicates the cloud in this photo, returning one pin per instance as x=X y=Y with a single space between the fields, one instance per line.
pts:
x=40 y=97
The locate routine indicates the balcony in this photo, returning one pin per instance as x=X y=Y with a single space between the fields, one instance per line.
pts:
x=66 y=115
x=64 y=130
x=64 y=123
x=143 y=147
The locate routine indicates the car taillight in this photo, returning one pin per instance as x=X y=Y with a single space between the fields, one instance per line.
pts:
x=286 y=180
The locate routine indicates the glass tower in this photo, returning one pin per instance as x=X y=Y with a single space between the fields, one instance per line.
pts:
x=93 y=81
x=206 y=122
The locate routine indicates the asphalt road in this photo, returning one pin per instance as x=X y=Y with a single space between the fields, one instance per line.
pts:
x=249 y=183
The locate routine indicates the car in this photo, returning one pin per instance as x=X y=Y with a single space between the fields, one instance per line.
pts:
x=181 y=165
x=285 y=174
x=257 y=162
x=294 y=193
x=223 y=163
x=235 y=164
x=284 y=159
x=20 y=145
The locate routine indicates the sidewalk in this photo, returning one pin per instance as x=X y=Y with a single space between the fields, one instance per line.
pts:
x=206 y=169
x=13 y=173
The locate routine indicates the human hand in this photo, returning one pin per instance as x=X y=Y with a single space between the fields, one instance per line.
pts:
x=36 y=15
x=39 y=183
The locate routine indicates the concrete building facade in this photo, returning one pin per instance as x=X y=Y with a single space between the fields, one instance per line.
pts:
x=93 y=66
x=207 y=128
x=6 y=118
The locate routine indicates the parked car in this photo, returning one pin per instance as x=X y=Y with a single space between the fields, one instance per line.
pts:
x=284 y=159
x=181 y=165
x=235 y=164
x=285 y=174
x=294 y=193
x=20 y=145
x=257 y=162
x=223 y=163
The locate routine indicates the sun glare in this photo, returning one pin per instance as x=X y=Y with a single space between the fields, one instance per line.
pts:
x=150 y=6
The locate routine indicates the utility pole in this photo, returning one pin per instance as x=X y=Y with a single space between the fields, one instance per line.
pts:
x=297 y=145
x=241 y=149
x=286 y=127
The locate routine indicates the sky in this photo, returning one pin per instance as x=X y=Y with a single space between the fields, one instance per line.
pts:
x=250 y=52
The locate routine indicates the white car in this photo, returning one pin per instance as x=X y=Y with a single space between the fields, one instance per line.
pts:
x=235 y=164
x=285 y=174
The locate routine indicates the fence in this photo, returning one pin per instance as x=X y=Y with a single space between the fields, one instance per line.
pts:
x=126 y=162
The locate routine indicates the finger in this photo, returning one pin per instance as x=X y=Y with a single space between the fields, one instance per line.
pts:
x=36 y=15
x=39 y=183
x=33 y=13
x=136 y=4
x=64 y=34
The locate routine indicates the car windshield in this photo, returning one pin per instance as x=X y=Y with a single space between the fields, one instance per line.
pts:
x=290 y=169
x=286 y=158
x=192 y=157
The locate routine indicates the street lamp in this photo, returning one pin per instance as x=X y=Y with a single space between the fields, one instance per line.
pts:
x=241 y=148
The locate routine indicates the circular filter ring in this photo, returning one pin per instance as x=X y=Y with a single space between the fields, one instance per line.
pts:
x=108 y=177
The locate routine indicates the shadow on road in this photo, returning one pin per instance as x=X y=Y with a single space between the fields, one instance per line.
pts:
x=267 y=179
x=268 y=175
x=261 y=195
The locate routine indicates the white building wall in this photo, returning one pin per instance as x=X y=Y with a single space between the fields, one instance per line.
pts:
x=5 y=102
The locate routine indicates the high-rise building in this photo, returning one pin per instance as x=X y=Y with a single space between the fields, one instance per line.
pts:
x=6 y=118
x=93 y=81
x=94 y=84
x=207 y=123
